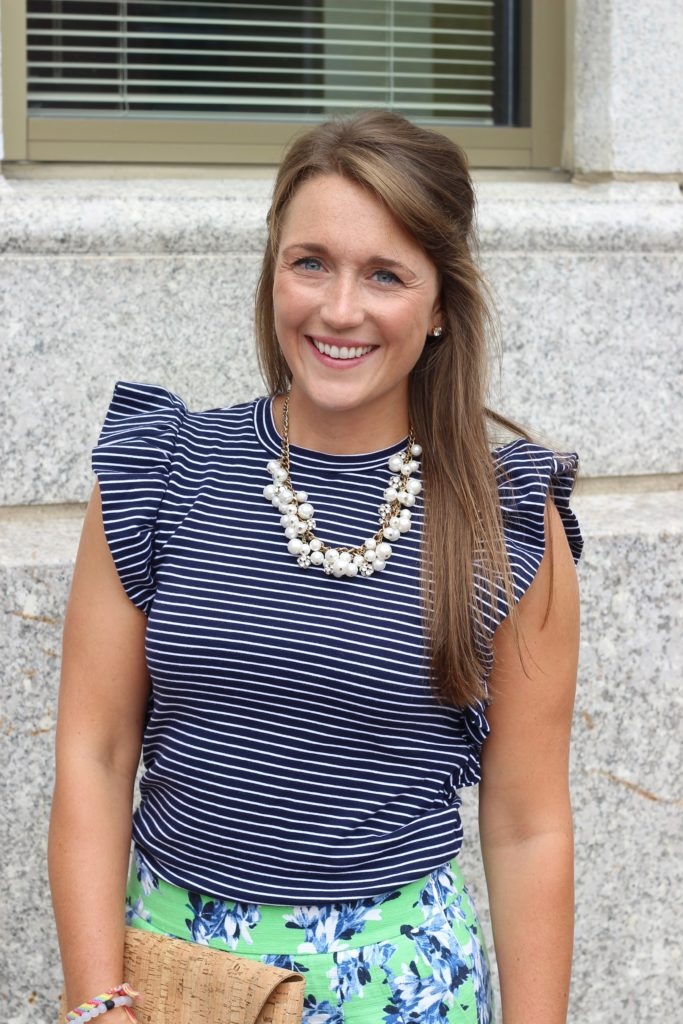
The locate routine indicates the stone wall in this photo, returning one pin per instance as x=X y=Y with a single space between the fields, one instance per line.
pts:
x=152 y=280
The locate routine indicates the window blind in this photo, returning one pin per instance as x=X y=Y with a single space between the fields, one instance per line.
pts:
x=276 y=61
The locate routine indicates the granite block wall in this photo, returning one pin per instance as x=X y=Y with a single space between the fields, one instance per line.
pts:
x=627 y=78
x=153 y=280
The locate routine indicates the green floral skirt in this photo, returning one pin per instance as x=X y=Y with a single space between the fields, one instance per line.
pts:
x=410 y=956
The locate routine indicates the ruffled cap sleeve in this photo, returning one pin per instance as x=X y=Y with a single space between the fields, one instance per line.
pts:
x=132 y=461
x=527 y=476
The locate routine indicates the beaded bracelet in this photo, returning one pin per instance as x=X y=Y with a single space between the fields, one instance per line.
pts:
x=122 y=995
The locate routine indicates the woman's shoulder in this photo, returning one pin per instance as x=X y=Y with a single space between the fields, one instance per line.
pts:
x=528 y=473
x=146 y=427
x=135 y=400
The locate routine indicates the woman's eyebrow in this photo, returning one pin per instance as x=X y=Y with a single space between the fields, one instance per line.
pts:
x=315 y=247
x=372 y=261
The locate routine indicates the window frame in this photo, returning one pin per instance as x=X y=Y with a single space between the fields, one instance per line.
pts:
x=28 y=138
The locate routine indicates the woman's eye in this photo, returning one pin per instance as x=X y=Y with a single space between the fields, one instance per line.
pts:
x=308 y=263
x=386 y=277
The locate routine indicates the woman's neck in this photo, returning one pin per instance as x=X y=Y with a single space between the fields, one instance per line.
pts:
x=345 y=432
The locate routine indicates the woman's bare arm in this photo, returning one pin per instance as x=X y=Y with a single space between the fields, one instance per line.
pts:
x=103 y=696
x=525 y=813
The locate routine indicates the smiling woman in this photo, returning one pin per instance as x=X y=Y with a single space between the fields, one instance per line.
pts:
x=353 y=309
x=309 y=705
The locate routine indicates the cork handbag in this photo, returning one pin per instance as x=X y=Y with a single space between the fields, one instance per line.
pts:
x=188 y=983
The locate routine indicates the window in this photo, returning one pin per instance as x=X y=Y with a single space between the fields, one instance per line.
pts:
x=188 y=82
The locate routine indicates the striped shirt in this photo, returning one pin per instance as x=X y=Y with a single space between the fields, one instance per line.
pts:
x=293 y=751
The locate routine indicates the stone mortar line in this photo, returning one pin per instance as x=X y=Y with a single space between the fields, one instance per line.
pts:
x=635 y=484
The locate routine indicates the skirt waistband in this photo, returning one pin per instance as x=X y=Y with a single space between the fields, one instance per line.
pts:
x=155 y=905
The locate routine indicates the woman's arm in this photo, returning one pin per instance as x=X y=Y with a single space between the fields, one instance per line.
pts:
x=102 y=704
x=524 y=806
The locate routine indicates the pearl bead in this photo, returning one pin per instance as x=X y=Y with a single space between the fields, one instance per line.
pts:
x=295 y=546
x=285 y=494
x=269 y=492
x=338 y=571
x=409 y=500
x=344 y=557
x=405 y=469
x=306 y=511
x=301 y=528
x=316 y=544
x=351 y=569
x=390 y=494
x=358 y=560
x=413 y=466
x=404 y=525
x=291 y=532
x=384 y=551
x=370 y=555
x=378 y=564
x=301 y=496
x=416 y=450
x=413 y=486
x=317 y=557
x=331 y=555
x=273 y=466
x=389 y=533
x=395 y=463
x=280 y=475
x=370 y=544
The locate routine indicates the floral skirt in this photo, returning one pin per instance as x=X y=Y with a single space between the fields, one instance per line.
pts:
x=410 y=956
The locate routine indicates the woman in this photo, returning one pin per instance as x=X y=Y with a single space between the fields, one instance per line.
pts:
x=311 y=648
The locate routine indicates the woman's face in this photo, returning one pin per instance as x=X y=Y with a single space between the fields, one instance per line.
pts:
x=354 y=298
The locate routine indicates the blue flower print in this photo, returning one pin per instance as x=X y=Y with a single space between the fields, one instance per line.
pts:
x=427 y=999
x=136 y=912
x=217 y=919
x=351 y=970
x=438 y=889
x=146 y=877
x=415 y=999
x=320 y=1013
x=328 y=927
x=481 y=979
x=287 y=963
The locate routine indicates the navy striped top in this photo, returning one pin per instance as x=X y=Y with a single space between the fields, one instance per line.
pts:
x=293 y=751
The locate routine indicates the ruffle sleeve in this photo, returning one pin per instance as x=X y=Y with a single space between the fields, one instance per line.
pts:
x=527 y=476
x=132 y=461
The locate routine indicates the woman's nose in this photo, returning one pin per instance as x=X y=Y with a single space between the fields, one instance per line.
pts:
x=342 y=305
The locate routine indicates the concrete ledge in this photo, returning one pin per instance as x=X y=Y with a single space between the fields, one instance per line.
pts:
x=625 y=764
x=185 y=216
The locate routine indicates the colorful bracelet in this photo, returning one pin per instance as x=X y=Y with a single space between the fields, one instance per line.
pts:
x=122 y=995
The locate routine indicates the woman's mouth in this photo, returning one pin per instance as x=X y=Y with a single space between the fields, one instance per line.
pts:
x=335 y=351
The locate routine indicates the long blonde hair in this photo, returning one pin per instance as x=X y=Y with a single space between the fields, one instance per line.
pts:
x=423 y=179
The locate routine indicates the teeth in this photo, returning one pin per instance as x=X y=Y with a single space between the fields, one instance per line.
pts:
x=344 y=352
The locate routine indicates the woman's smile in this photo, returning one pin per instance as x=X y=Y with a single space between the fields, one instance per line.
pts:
x=341 y=349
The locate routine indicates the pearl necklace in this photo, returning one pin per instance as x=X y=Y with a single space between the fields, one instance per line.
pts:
x=297 y=515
